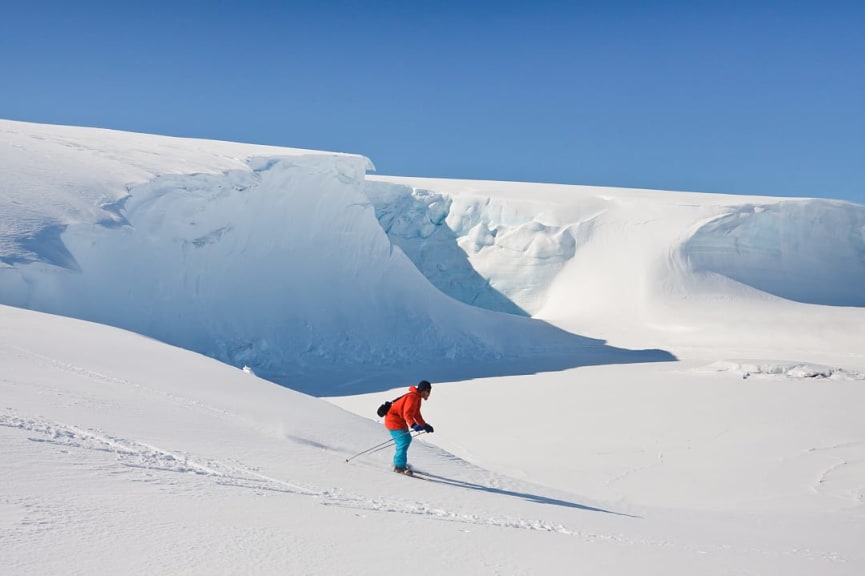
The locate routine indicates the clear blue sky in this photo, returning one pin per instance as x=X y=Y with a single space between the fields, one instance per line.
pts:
x=755 y=97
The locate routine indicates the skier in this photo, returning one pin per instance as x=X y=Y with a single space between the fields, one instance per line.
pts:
x=404 y=415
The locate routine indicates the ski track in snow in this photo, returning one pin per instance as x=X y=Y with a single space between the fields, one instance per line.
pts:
x=144 y=456
x=836 y=479
x=155 y=462
x=151 y=459
x=140 y=455
x=425 y=509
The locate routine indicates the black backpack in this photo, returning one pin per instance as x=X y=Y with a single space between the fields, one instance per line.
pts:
x=385 y=408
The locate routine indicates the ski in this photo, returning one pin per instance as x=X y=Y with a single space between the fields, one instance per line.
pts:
x=413 y=476
x=411 y=473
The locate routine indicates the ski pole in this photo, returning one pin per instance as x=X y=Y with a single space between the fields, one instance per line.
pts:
x=381 y=446
x=373 y=451
x=377 y=447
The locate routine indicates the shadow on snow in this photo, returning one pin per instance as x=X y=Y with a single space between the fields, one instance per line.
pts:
x=523 y=495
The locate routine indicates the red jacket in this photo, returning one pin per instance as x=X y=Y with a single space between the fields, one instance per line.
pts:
x=405 y=411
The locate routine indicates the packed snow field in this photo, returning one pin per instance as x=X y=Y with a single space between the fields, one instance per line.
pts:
x=624 y=381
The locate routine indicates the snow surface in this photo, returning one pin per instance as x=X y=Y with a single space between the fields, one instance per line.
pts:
x=625 y=381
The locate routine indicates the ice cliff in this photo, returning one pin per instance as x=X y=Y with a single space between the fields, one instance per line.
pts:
x=274 y=262
x=302 y=267
x=805 y=250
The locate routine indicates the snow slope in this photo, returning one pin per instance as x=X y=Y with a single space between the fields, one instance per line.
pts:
x=124 y=455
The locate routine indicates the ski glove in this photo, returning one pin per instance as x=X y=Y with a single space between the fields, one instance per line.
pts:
x=428 y=429
x=417 y=427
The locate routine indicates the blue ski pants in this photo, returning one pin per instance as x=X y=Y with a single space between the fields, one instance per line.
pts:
x=402 y=439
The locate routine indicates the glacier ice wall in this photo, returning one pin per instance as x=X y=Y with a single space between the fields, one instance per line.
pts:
x=483 y=251
x=284 y=267
x=810 y=251
x=300 y=266
x=579 y=255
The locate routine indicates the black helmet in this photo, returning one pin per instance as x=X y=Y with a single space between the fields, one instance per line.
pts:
x=424 y=386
